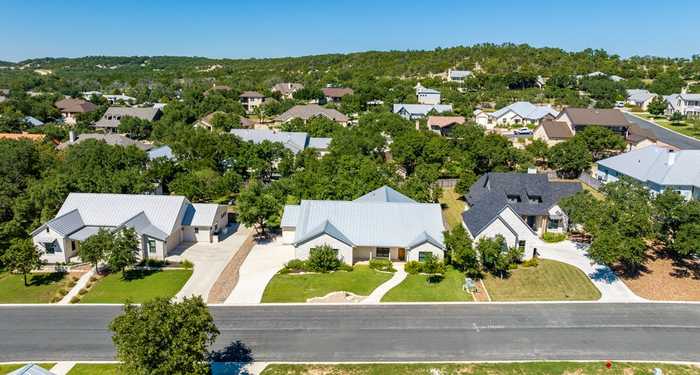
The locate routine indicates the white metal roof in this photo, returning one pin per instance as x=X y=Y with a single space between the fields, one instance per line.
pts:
x=658 y=165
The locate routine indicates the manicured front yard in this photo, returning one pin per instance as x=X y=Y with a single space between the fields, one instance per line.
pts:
x=5 y=369
x=137 y=287
x=453 y=207
x=416 y=288
x=42 y=286
x=94 y=368
x=298 y=288
x=549 y=281
x=534 y=368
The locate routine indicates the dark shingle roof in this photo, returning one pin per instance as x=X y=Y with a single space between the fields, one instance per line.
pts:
x=489 y=196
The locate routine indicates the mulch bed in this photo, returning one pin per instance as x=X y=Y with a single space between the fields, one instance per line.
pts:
x=666 y=278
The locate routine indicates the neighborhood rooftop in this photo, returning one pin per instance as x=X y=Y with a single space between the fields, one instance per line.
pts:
x=309 y=111
x=658 y=165
x=526 y=110
x=113 y=116
x=293 y=141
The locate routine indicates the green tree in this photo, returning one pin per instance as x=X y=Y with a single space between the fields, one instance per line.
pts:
x=164 y=337
x=465 y=182
x=135 y=128
x=22 y=256
x=257 y=207
x=493 y=254
x=658 y=106
x=687 y=241
x=434 y=268
x=461 y=253
x=570 y=158
x=601 y=141
x=538 y=149
x=125 y=250
x=97 y=247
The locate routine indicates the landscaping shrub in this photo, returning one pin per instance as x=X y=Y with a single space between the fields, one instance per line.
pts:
x=89 y=285
x=532 y=262
x=323 y=259
x=413 y=267
x=75 y=299
x=75 y=278
x=62 y=292
x=294 y=266
x=345 y=267
x=155 y=263
x=384 y=265
x=94 y=278
x=56 y=298
x=553 y=237
x=186 y=264
x=82 y=291
x=71 y=283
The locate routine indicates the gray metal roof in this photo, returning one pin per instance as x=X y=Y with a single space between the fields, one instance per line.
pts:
x=364 y=223
x=85 y=232
x=290 y=216
x=526 y=110
x=201 y=214
x=67 y=222
x=113 y=116
x=31 y=369
x=319 y=143
x=422 y=109
x=293 y=141
x=490 y=195
x=658 y=165
x=639 y=95
x=385 y=194
x=161 y=152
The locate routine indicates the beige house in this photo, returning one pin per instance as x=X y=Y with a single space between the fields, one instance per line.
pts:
x=309 y=111
x=444 y=124
x=251 y=100
x=71 y=108
x=553 y=132
x=206 y=122
x=287 y=89
x=335 y=94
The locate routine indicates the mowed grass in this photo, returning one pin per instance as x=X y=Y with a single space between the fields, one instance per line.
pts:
x=452 y=207
x=94 y=368
x=298 y=288
x=137 y=287
x=6 y=369
x=416 y=288
x=549 y=281
x=533 y=368
x=42 y=286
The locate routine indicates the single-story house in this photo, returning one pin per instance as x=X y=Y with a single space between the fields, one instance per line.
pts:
x=553 y=132
x=657 y=168
x=70 y=108
x=293 y=141
x=110 y=139
x=640 y=98
x=335 y=94
x=518 y=113
x=206 y=121
x=113 y=116
x=309 y=111
x=579 y=118
x=416 y=111
x=426 y=95
x=444 y=124
x=251 y=100
x=458 y=75
x=287 y=89
x=519 y=206
x=381 y=224
x=162 y=222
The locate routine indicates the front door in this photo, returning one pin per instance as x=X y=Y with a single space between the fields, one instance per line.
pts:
x=402 y=254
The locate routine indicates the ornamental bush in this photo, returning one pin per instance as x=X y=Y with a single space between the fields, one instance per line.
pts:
x=323 y=259
x=413 y=267
x=384 y=265
x=553 y=237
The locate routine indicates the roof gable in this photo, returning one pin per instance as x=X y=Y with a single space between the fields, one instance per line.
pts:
x=385 y=194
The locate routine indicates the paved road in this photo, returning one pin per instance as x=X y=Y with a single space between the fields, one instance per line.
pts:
x=387 y=332
x=665 y=135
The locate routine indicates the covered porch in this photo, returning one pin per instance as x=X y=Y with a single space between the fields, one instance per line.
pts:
x=366 y=253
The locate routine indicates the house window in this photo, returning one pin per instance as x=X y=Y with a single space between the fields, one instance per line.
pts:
x=521 y=245
x=514 y=198
x=535 y=199
x=151 y=246
x=196 y=230
x=382 y=252
x=51 y=248
x=72 y=245
x=553 y=224
x=423 y=255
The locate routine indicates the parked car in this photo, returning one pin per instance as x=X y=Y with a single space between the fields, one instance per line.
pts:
x=522 y=131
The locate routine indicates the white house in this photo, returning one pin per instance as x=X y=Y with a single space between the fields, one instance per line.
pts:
x=427 y=96
x=161 y=222
x=518 y=113
x=416 y=111
x=381 y=224
x=683 y=103
x=293 y=141
x=251 y=100
x=458 y=75
x=519 y=206
x=640 y=98
x=657 y=168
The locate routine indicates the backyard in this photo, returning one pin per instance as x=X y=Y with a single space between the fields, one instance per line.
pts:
x=42 y=287
x=548 y=281
x=452 y=207
x=534 y=368
x=137 y=286
x=416 y=288
x=300 y=287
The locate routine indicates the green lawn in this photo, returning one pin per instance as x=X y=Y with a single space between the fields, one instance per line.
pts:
x=93 y=368
x=416 y=288
x=534 y=368
x=549 y=281
x=42 y=286
x=298 y=288
x=453 y=207
x=138 y=287
x=6 y=369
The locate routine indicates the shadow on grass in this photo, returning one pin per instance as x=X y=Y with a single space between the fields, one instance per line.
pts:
x=46 y=278
x=132 y=275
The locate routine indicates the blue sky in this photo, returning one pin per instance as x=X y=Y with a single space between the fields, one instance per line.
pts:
x=251 y=28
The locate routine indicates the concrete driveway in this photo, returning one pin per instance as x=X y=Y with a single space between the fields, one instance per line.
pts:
x=209 y=260
x=263 y=262
x=612 y=289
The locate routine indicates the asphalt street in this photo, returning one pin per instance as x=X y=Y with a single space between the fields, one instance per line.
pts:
x=665 y=135
x=385 y=332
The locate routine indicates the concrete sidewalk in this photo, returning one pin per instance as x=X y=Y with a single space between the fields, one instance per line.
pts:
x=383 y=289
x=82 y=282
x=612 y=289
x=261 y=265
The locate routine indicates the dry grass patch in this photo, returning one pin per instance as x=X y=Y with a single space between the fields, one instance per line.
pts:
x=666 y=278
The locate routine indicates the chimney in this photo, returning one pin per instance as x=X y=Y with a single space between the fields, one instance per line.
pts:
x=671 y=157
x=71 y=136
